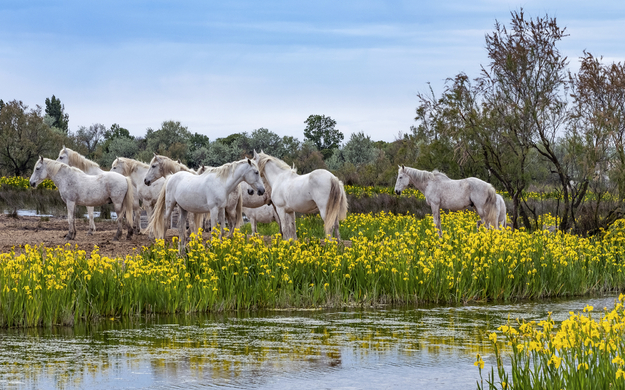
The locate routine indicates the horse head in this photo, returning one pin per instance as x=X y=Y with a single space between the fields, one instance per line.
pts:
x=39 y=173
x=403 y=179
x=252 y=177
x=154 y=172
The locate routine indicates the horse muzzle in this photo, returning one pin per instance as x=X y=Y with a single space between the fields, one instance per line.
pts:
x=147 y=182
x=250 y=191
x=261 y=191
x=398 y=192
x=33 y=184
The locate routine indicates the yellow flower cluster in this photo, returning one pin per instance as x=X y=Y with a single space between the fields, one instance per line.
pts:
x=392 y=258
x=23 y=182
x=582 y=353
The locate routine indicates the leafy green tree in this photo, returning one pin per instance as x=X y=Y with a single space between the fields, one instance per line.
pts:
x=56 y=110
x=265 y=140
x=197 y=141
x=232 y=139
x=25 y=137
x=309 y=158
x=171 y=140
x=320 y=130
x=1 y=104
x=119 y=147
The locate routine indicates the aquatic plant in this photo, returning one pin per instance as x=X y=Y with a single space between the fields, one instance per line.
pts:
x=583 y=353
x=391 y=258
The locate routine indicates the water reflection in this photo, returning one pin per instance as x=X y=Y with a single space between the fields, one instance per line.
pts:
x=430 y=347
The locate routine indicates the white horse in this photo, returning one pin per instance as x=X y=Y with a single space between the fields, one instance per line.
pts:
x=319 y=191
x=203 y=193
x=501 y=219
x=245 y=192
x=136 y=171
x=442 y=192
x=78 y=188
x=163 y=166
x=264 y=214
x=77 y=160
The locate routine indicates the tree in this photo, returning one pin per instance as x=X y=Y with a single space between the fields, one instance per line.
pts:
x=320 y=130
x=171 y=140
x=309 y=158
x=598 y=115
x=56 y=110
x=25 y=137
x=527 y=75
x=119 y=147
x=1 y=105
x=265 y=140
x=90 y=137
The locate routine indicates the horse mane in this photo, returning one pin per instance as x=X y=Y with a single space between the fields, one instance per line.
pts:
x=419 y=175
x=131 y=165
x=53 y=167
x=79 y=161
x=169 y=166
x=225 y=170
x=263 y=159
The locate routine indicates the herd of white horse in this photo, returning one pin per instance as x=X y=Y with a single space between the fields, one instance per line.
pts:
x=265 y=188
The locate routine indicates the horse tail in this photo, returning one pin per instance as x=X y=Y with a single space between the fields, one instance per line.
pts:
x=157 y=221
x=198 y=218
x=337 y=205
x=491 y=208
x=129 y=203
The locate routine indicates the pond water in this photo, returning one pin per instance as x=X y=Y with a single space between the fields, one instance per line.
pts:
x=57 y=213
x=390 y=348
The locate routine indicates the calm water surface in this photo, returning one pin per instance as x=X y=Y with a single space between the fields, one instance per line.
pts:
x=390 y=348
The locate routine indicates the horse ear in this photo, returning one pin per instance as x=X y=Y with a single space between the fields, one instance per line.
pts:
x=249 y=161
x=154 y=154
x=255 y=154
x=40 y=158
x=403 y=167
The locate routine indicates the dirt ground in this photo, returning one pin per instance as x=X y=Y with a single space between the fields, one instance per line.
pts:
x=15 y=232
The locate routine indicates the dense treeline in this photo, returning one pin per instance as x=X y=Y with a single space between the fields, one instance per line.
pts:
x=525 y=123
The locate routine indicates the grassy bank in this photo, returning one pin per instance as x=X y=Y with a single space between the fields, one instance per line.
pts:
x=392 y=259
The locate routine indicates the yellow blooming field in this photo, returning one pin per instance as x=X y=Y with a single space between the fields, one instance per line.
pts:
x=585 y=352
x=392 y=259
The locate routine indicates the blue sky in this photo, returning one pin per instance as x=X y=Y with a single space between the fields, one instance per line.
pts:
x=221 y=67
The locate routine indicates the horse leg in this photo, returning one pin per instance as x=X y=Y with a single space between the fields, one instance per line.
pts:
x=337 y=234
x=169 y=208
x=436 y=213
x=207 y=223
x=120 y=216
x=91 y=221
x=71 y=207
x=222 y=222
x=282 y=216
x=137 y=216
x=148 y=211
x=215 y=219
x=292 y=226
x=182 y=230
